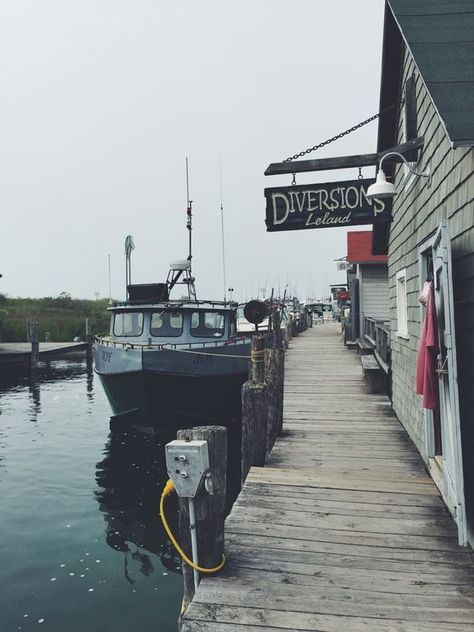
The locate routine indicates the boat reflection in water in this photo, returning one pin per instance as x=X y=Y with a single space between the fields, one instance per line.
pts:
x=130 y=479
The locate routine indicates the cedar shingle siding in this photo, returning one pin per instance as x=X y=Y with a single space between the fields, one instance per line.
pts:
x=417 y=213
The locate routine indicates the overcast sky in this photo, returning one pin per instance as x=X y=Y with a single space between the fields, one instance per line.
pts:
x=102 y=100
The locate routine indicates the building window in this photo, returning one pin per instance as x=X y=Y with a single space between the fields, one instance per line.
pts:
x=402 y=305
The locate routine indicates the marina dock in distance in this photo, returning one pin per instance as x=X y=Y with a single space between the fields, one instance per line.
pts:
x=343 y=529
x=14 y=353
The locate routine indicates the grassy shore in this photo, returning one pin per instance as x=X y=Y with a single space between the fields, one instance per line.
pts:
x=63 y=317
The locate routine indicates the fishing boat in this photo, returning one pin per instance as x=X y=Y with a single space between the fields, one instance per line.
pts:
x=173 y=360
x=172 y=363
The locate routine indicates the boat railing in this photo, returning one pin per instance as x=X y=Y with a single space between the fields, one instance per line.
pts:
x=177 y=304
x=209 y=344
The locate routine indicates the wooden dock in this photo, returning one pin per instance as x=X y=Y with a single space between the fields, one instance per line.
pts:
x=12 y=353
x=343 y=530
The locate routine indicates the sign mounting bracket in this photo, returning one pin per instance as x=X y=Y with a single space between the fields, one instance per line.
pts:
x=409 y=149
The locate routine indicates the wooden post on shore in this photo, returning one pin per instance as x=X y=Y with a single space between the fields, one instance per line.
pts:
x=254 y=410
x=209 y=507
x=34 y=337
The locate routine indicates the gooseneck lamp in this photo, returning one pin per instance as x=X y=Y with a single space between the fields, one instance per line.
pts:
x=383 y=189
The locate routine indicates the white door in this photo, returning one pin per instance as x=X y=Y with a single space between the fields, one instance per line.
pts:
x=453 y=488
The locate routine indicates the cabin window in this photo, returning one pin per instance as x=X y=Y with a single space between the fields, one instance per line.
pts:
x=166 y=324
x=128 y=324
x=402 y=304
x=207 y=324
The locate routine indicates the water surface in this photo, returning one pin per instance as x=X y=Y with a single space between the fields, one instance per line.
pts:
x=81 y=544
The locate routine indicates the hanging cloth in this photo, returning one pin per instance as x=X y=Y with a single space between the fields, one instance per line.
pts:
x=426 y=378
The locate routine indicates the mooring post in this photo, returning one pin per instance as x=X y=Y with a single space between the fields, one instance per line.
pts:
x=209 y=505
x=294 y=326
x=270 y=379
x=89 y=337
x=302 y=325
x=304 y=318
x=254 y=410
x=275 y=367
x=289 y=329
x=279 y=361
x=47 y=336
x=34 y=337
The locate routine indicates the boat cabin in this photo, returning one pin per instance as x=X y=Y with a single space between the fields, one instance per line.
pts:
x=168 y=323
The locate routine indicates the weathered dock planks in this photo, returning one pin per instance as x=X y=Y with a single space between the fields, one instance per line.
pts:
x=343 y=530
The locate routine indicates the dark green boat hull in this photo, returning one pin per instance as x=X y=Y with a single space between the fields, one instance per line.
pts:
x=170 y=402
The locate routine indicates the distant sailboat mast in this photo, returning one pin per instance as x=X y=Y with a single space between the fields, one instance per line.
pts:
x=222 y=233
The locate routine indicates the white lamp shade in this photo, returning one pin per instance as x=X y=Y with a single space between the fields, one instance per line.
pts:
x=381 y=188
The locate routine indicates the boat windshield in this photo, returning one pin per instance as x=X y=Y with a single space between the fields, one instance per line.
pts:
x=166 y=323
x=128 y=324
x=207 y=324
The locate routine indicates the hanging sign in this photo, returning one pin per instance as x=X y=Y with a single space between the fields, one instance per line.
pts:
x=324 y=205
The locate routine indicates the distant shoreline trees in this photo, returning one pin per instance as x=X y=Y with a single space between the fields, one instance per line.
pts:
x=62 y=316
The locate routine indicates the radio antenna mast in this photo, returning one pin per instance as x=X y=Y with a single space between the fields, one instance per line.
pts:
x=189 y=211
x=222 y=233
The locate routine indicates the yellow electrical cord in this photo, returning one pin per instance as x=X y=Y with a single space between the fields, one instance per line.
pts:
x=169 y=489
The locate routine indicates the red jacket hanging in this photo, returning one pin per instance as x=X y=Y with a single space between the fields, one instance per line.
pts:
x=426 y=379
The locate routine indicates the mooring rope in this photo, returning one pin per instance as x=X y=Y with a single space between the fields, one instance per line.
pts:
x=257 y=357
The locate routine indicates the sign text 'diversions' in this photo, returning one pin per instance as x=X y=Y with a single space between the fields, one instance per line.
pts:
x=323 y=205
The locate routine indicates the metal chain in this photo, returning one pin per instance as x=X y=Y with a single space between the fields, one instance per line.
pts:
x=342 y=134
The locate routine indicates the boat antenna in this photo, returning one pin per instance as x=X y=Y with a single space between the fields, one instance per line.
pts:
x=222 y=232
x=189 y=222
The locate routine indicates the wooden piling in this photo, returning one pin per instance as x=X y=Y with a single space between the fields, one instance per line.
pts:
x=34 y=337
x=89 y=338
x=288 y=330
x=209 y=507
x=272 y=413
x=254 y=410
x=294 y=328
x=274 y=376
x=279 y=368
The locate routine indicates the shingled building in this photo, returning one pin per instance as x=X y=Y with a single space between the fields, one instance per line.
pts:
x=428 y=71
